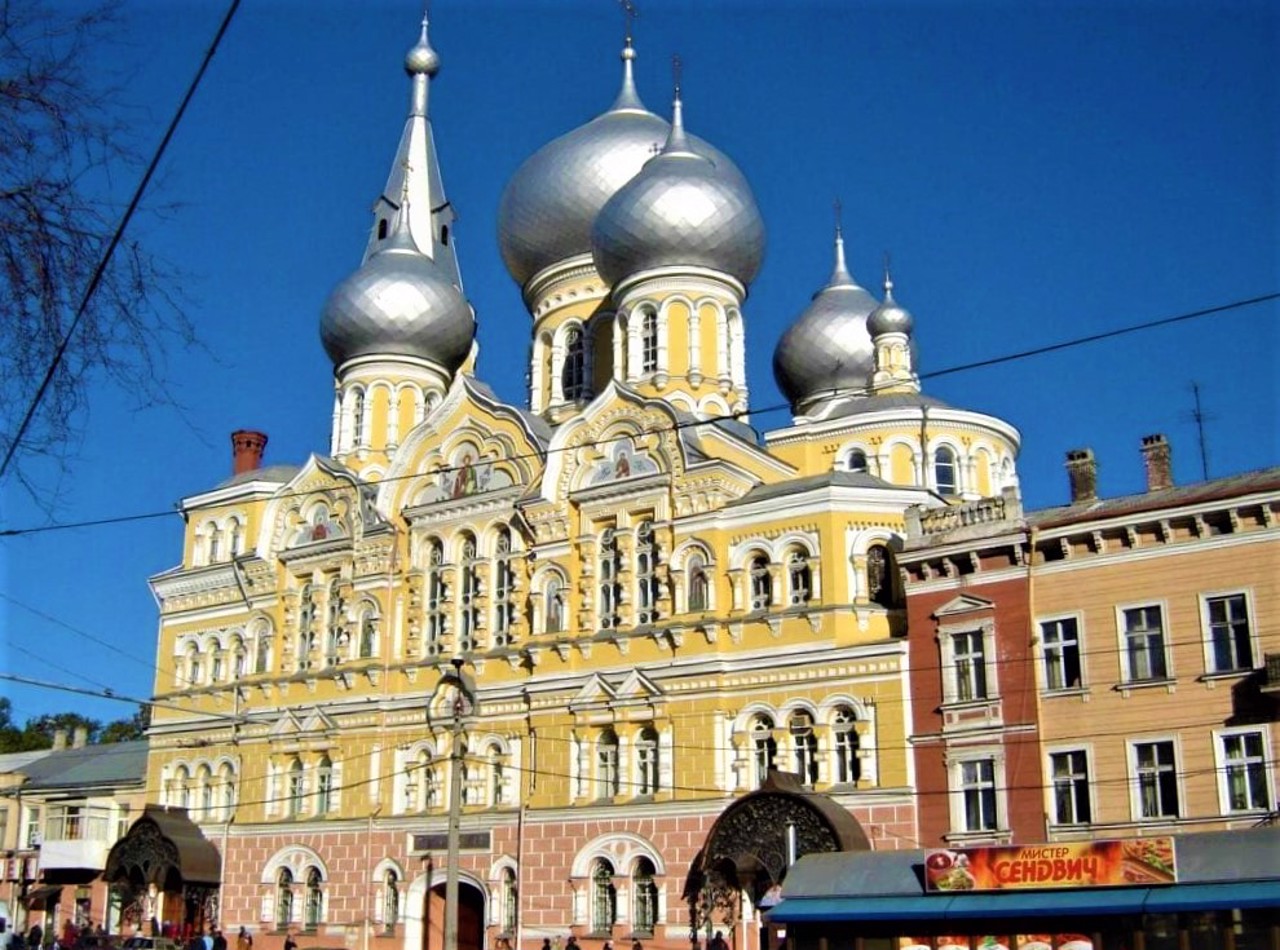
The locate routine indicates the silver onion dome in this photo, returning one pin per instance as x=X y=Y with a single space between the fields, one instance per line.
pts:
x=890 y=316
x=828 y=349
x=550 y=204
x=400 y=302
x=682 y=209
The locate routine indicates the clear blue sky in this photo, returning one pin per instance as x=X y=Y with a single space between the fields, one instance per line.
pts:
x=1038 y=171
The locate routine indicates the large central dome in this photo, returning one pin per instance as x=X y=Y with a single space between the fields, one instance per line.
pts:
x=549 y=206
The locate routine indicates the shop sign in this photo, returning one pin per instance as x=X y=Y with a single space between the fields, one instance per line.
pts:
x=1134 y=861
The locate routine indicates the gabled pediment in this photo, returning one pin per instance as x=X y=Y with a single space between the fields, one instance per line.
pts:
x=964 y=604
x=286 y=725
x=638 y=686
x=595 y=690
x=318 y=721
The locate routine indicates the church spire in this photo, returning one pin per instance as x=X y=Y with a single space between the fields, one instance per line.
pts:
x=415 y=173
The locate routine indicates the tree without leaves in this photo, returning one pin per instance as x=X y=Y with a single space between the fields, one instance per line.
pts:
x=63 y=145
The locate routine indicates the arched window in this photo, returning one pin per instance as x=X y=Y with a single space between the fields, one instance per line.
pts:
x=469 y=615
x=646 y=574
x=554 y=622
x=315 y=900
x=574 y=377
x=239 y=658
x=390 y=900
x=335 y=636
x=604 y=898
x=204 y=786
x=799 y=577
x=607 y=777
x=764 y=748
x=610 y=589
x=857 y=461
x=645 y=897
x=215 y=665
x=215 y=543
x=510 y=901
x=294 y=800
x=182 y=787
x=235 y=537
x=284 y=899
x=845 y=740
x=503 y=589
x=262 y=648
x=324 y=786
x=699 y=586
x=368 y=632
x=805 y=744
x=497 y=774
x=882 y=579
x=357 y=417
x=944 y=470
x=649 y=342
x=195 y=666
x=761 y=583
x=436 y=605
x=647 y=761
x=306 y=626
x=227 y=791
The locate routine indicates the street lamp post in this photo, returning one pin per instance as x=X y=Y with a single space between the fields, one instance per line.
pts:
x=463 y=702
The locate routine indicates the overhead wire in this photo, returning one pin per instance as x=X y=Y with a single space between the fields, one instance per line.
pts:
x=680 y=424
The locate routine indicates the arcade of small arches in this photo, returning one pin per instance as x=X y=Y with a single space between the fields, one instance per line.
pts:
x=947 y=466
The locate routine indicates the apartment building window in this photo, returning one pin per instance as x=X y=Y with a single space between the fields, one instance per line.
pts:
x=969 y=663
x=604 y=898
x=1155 y=768
x=647 y=761
x=1070 y=774
x=1060 y=646
x=1143 y=652
x=324 y=786
x=645 y=914
x=1230 y=639
x=1244 y=771
x=31 y=828
x=607 y=777
x=978 y=788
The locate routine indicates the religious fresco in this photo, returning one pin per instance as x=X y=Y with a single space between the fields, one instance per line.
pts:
x=468 y=473
x=622 y=461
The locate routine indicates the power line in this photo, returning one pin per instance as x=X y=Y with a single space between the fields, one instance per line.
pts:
x=695 y=423
x=101 y=267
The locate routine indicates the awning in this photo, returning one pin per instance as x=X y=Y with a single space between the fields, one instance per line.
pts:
x=1015 y=904
x=38 y=894
x=1243 y=894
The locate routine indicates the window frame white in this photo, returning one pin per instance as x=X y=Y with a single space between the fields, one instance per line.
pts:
x=958 y=797
x=1051 y=786
x=1042 y=654
x=947 y=633
x=1135 y=778
x=1206 y=625
x=1127 y=679
x=1223 y=764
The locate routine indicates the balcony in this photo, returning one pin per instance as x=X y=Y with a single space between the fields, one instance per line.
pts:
x=74 y=854
x=974 y=519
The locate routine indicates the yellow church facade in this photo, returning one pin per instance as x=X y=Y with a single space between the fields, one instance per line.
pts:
x=652 y=606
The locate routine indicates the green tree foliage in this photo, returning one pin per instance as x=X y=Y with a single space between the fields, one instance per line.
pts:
x=38 y=733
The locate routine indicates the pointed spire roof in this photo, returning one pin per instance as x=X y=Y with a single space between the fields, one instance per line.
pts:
x=628 y=98
x=415 y=172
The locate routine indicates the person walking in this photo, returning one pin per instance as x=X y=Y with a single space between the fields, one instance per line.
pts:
x=289 y=942
x=244 y=941
x=219 y=941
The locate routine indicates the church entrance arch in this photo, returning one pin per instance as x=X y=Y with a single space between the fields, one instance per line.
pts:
x=749 y=848
x=470 y=917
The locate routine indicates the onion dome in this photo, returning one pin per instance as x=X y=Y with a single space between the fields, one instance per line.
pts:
x=890 y=316
x=828 y=349
x=548 y=208
x=406 y=298
x=399 y=303
x=683 y=209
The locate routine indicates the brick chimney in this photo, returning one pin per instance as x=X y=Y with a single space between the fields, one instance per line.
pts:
x=1082 y=471
x=1159 y=461
x=80 y=737
x=247 y=447
x=59 y=740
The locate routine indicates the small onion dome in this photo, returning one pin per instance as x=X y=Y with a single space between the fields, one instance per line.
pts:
x=682 y=209
x=399 y=303
x=422 y=59
x=828 y=349
x=549 y=205
x=889 y=317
